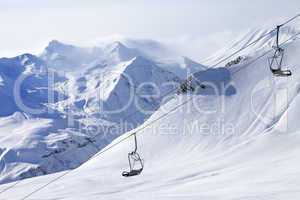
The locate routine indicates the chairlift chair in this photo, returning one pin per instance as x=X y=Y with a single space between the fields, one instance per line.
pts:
x=133 y=158
x=275 y=62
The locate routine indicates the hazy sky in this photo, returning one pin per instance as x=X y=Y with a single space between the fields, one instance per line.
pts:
x=194 y=26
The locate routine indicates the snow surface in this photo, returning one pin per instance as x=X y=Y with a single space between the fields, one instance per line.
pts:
x=257 y=158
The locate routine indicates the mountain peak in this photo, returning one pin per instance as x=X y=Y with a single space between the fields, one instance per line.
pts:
x=54 y=42
x=119 y=52
x=55 y=45
x=117 y=46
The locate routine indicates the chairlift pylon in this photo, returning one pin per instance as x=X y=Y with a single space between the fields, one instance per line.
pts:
x=275 y=62
x=133 y=158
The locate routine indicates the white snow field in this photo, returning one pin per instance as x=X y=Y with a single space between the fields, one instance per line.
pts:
x=239 y=144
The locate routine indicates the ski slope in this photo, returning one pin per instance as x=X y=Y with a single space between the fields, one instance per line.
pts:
x=246 y=148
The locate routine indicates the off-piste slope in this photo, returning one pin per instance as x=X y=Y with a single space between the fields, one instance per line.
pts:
x=241 y=144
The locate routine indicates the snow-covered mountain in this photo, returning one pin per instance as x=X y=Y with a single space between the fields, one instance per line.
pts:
x=67 y=57
x=61 y=107
x=103 y=92
x=241 y=142
x=166 y=58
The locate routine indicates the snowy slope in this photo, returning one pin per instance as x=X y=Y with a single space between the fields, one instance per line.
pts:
x=242 y=144
x=250 y=37
x=31 y=73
